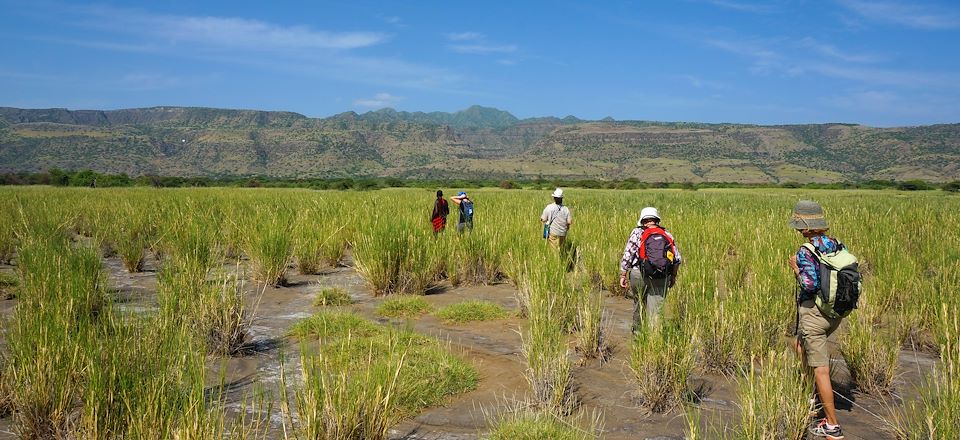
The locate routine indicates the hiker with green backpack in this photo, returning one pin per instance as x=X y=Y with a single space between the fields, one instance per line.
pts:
x=828 y=288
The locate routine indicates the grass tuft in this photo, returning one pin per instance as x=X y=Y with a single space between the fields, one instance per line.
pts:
x=661 y=363
x=526 y=424
x=333 y=296
x=404 y=307
x=469 y=311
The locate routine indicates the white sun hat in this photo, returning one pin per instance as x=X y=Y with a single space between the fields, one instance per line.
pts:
x=558 y=193
x=648 y=212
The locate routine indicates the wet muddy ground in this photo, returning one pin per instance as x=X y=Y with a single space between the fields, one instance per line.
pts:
x=494 y=347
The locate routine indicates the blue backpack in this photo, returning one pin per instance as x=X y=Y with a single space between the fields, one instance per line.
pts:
x=467 y=207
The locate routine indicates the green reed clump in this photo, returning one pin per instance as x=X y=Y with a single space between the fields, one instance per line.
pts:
x=8 y=238
x=936 y=414
x=661 y=363
x=360 y=384
x=268 y=241
x=773 y=399
x=62 y=300
x=548 y=367
x=146 y=379
x=871 y=354
x=310 y=236
x=224 y=317
x=392 y=257
x=132 y=235
x=526 y=424
x=473 y=260
x=592 y=327
x=404 y=307
x=333 y=296
x=469 y=311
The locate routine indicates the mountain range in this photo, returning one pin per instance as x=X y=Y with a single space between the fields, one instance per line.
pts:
x=478 y=142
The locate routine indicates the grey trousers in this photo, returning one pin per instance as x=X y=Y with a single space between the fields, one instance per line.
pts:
x=648 y=295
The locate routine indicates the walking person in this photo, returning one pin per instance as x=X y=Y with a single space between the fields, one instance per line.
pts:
x=649 y=267
x=556 y=219
x=465 y=206
x=440 y=212
x=819 y=315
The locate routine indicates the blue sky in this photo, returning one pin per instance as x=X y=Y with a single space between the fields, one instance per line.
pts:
x=880 y=63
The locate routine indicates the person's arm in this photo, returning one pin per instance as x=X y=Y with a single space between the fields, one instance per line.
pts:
x=629 y=254
x=544 y=215
x=569 y=219
x=456 y=199
x=804 y=265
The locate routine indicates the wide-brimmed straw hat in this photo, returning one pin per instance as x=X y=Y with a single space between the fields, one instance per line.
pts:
x=808 y=214
x=558 y=193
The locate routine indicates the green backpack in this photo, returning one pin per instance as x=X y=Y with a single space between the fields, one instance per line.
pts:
x=840 y=281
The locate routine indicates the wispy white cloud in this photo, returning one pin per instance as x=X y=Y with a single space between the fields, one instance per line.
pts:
x=378 y=100
x=908 y=14
x=700 y=82
x=483 y=49
x=226 y=32
x=749 y=48
x=753 y=7
x=833 y=52
x=477 y=43
x=231 y=41
x=465 y=36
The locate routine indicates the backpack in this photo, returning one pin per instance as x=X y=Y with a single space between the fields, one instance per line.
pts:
x=467 y=207
x=656 y=253
x=840 y=281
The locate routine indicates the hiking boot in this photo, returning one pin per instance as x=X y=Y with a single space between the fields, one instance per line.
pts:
x=821 y=430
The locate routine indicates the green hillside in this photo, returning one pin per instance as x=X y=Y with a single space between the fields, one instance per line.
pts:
x=477 y=142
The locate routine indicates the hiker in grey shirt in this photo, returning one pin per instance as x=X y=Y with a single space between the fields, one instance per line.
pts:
x=556 y=219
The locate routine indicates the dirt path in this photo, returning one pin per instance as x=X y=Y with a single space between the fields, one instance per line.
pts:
x=493 y=347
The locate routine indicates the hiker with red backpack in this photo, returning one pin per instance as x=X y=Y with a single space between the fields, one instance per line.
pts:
x=828 y=283
x=650 y=264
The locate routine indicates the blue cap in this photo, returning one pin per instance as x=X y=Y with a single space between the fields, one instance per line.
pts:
x=461 y=193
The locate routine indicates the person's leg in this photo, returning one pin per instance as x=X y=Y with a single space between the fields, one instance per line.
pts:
x=813 y=331
x=636 y=293
x=554 y=241
x=460 y=227
x=825 y=391
x=656 y=293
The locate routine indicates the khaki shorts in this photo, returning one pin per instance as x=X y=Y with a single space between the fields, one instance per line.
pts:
x=813 y=331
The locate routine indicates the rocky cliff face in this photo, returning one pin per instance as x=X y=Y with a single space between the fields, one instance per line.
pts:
x=479 y=141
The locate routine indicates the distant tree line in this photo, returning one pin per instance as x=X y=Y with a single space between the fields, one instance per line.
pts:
x=93 y=179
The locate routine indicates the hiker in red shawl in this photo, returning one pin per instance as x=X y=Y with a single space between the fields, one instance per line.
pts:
x=440 y=212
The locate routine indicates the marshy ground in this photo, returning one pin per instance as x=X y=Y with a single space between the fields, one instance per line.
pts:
x=493 y=347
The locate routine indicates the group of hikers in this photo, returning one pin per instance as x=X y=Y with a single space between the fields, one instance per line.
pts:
x=828 y=282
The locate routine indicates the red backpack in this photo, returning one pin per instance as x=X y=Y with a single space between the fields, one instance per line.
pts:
x=656 y=253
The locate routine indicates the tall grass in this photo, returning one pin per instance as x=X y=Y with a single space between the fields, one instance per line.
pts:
x=592 y=327
x=268 y=241
x=548 y=367
x=872 y=354
x=393 y=259
x=936 y=413
x=773 y=400
x=661 y=363
x=365 y=377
